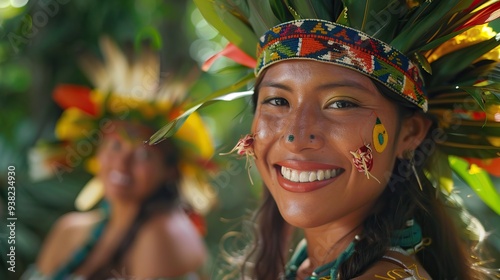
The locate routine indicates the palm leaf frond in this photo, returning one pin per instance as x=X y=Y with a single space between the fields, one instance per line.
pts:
x=225 y=94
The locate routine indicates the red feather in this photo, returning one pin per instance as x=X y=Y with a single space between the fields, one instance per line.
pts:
x=485 y=15
x=233 y=52
x=490 y=165
x=68 y=96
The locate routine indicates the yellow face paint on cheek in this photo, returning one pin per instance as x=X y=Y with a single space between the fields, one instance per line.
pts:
x=380 y=136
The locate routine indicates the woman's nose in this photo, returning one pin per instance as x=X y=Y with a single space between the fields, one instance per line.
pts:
x=303 y=130
x=123 y=159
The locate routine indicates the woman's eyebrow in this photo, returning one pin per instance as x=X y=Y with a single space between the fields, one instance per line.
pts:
x=275 y=85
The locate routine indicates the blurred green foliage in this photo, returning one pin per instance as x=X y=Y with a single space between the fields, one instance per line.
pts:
x=39 y=44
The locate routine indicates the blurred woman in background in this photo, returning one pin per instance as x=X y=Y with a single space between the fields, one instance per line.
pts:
x=148 y=224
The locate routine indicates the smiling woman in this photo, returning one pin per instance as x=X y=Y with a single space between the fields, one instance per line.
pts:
x=148 y=224
x=353 y=128
x=305 y=98
x=332 y=176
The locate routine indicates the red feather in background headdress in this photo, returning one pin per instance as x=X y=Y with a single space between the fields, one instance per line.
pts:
x=68 y=96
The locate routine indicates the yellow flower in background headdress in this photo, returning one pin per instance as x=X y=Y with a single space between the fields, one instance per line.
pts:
x=134 y=92
x=439 y=56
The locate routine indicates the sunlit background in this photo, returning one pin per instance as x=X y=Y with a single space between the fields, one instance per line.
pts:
x=39 y=43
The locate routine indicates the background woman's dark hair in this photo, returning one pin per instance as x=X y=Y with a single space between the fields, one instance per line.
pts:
x=402 y=200
x=163 y=199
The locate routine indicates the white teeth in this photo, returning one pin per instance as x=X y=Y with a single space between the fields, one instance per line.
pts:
x=308 y=176
x=304 y=177
x=312 y=176
x=294 y=176
x=321 y=175
x=328 y=174
x=119 y=178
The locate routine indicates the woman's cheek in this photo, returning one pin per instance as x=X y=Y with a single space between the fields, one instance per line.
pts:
x=267 y=126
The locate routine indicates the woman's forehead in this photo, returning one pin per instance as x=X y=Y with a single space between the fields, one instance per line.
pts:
x=320 y=73
x=314 y=75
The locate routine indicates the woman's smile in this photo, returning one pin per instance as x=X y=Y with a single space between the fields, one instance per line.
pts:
x=305 y=176
x=118 y=178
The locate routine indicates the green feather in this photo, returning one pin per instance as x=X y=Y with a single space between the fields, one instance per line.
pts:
x=230 y=26
x=428 y=19
x=319 y=9
x=484 y=68
x=452 y=63
x=343 y=17
x=376 y=18
x=435 y=43
x=450 y=33
x=424 y=63
x=480 y=95
x=304 y=8
x=480 y=182
x=262 y=17
x=281 y=11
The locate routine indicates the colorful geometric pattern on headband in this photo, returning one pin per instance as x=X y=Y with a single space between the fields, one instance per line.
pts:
x=337 y=44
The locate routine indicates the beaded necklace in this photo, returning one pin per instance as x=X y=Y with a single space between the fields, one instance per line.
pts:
x=407 y=238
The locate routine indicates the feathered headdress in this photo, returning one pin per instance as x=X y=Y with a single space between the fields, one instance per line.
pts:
x=133 y=91
x=441 y=56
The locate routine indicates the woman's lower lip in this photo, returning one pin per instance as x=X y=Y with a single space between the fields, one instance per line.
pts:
x=302 y=187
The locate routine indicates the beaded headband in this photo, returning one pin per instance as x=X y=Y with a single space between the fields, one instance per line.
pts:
x=333 y=43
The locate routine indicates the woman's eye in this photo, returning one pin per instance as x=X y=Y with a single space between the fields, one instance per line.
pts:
x=341 y=104
x=277 y=101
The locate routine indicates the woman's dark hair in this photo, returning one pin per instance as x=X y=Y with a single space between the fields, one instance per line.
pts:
x=402 y=200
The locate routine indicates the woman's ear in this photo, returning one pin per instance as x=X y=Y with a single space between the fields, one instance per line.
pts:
x=413 y=132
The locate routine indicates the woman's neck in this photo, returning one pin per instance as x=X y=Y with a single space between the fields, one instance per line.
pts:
x=122 y=214
x=326 y=243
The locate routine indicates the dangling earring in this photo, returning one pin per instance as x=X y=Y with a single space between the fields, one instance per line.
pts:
x=244 y=147
x=363 y=160
x=410 y=156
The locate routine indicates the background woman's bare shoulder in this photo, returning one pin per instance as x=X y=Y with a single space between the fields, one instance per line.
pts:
x=396 y=265
x=167 y=245
x=68 y=233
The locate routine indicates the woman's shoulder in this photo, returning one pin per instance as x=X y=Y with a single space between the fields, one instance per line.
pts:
x=396 y=264
x=77 y=220
x=65 y=236
x=168 y=238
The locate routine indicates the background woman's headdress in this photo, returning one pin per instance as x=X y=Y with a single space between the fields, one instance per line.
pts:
x=134 y=91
